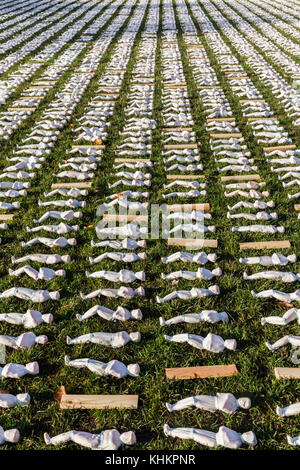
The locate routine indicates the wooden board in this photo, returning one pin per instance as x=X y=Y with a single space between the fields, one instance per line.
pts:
x=279 y=147
x=240 y=178
x=71 y=185
x=99 y=402
x=265 y=245
x=297 y=207
x=287 y=372
x=201 y=372
x=252 y=101
x=227 y=135
x=262 y=119
x=184 y=177
x=18 y=108
x=6 y=217
x=193 y=242
x=196 y=207
x=175 y=85
x=220 y=120
x=125 y=217
x=175 y=129
x=180 y=146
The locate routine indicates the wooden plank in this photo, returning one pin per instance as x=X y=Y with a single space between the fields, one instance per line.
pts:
x=125 y=217
x=203 y=87
x=220 y=120
x=184 y=177
x=71 y=185
x=180 y=146
x=201 y=372
x=175 y=85
x=196 y=207
x=287 y=372
x=252 y=101
x=297 y=207
x=193 y=242
x=177 y=129
x=228 y=135
x=18 y=108
x=240 y=178
x=279 y=147
x=261 y=119
x=132 y=160
x=99 y=402
x=265 y=245
x=7 y=217
x=195 y=46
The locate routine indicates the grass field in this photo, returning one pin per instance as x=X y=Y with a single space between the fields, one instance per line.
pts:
x=254 y=361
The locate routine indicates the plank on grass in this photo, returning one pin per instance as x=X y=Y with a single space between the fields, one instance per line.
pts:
x=227 y=135
x=125 y=217
x=193 y=242
x=265 y=245
x=196 y=207
x=279 y=147
x=287 y=372
x=99 y=402
x=297 y=207
x=201 y=372
x=71 y=185
x=240 y=178
x=6 y=217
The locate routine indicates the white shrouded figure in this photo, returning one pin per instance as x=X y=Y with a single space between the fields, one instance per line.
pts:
x=45 y=274
x=114 y=368
x=289 y=316
x=15 y=371
x=50 y=242
x=201 y=273
x=128 y=230
x=259 y=228
x=24 y=341
x=123 y=291
x=119 y=256
x=109 y=439
x=225 y=402
x=60 y=229
x=121 y=313
x=224 y=437
x=209 y=316
x=289 y=410
x=294 y=341
x=30 y=294
x=65 y=215
x=126 y=244
x=199 y=258
x=115 y=340
x=30 y=319
x=282 y=276
x=42 y=258
x=125 y=275
x=213 y=343
x=276 y=259
x=194 y=293
x=278 y=295
x=293 y=441
x=11 y=435
x=9 y=401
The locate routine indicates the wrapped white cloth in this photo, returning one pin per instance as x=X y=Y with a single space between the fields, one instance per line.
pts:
x=119 y=256
x=290 y=410
x=278 y=295
x=30 y=319
x=294 y=341
x=213 y=343
x=198 y=228
x=259 y=228
x=209 y=316
x=109 y=439
x=121 y=313
x=9 y=401
x=65 y=215
x=124 y=275
x=252 y=205
x=16 y=371
x=273 y=276
x=194 y=293
x=114 y=368
x=25 y=340
x=115 y=340
x=63 y=203
x=201 y=273
x=262 y=215
x=123 y=291
x=38 y=295
x=50 y=242
x=224 y=437
x=199 y=258
x=45 y=274
x=128 y=230
x=293 y=441
x=277 y=259
x=126 y=244
x=289 y=316
x=59 y=229
x=225 y=402
x=11 y=435
x=42 y=258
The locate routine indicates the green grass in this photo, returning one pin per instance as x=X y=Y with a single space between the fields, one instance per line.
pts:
x=254 y=362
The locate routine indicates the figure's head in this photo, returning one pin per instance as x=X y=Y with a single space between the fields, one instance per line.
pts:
x=135 y=336
x=244 y=402
x=55 y=295
x=133 y=370
x=32 y=367
x=128 y=438
x=249 y=438
x=230 y=344
x=42 y=339
x=137 y=314
x=47 y=318
x=66 y=258
x=23 y=399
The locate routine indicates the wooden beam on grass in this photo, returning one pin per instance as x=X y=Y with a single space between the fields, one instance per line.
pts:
x=265 y=245
x=74 y=184
x=227 y=135
x=279 y=147
x=180 y=146
x=241 y=178
x=220 y=120
x=125 y=217
x=196 y=207
x=297 y=207
x=7 y=217
x=177 y=129
x=95 y=402
x=287 y=372
x=193 y=242
x=201 y=372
